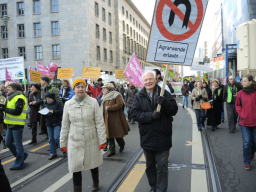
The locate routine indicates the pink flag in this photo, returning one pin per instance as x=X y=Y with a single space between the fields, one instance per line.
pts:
x=31 y=69
x=134 y=71
x=8 y=77
x=42 y=69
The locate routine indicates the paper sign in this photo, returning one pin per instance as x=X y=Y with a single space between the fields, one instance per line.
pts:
x=44 y=111
x=15 y=67
x=177 y=87
x=91 y=72
x=65 y=73
x=35 y=76
x=176 y=26
x=120 y=74
x=134 y=71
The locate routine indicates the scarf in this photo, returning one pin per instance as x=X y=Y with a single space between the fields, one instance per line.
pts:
x=108 y=97
x=79 y=99
x=200 y=93
x=12 y=94
x=249 y=88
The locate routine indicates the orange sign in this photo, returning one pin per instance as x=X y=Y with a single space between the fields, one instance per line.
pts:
x=120 y=74
x=35 y=76
x=65 y=73
x=219 y=59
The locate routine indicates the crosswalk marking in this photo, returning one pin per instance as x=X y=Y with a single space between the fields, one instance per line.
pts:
x=24 y=143
x=10 y=160
x=34 y=173
x=59 y=183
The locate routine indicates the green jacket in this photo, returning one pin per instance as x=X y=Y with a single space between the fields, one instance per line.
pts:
x=49 y=88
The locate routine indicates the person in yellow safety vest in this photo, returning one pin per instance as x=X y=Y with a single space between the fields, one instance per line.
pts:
x=16 y=113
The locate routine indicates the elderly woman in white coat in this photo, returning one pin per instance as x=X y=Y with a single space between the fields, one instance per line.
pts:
x=83 y=126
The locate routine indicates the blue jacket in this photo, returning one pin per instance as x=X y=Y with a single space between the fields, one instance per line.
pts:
x=99 y=99
x=69 y=94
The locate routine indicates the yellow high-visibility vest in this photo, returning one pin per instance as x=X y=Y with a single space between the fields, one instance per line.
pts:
x=16 y=119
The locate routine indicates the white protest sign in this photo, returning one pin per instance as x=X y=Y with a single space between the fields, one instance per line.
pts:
x=175 y=30
x=15 y=67
x=199 y=65
x=177 y=87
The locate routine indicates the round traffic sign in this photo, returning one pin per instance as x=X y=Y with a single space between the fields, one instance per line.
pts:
x=177 y=11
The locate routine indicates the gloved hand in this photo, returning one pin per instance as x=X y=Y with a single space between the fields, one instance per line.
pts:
x=200 y=96
x=64 y=149
x=160 y=100
x=102 y=146
x=197 y=99
x=156 y=115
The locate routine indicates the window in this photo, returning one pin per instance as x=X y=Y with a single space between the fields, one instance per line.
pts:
x=3 y=10
x=20 y=8
x=98 y=52
x=131 y=46
x=137 y=36
x=131 y=31
x=123 y=10
x=109 y=18
x=56 y=51
x=22 y=52
x=38 y=52
x=133 y=21
x=124 y=42
x=123 y=26
x=110 y=37
x=4 y=32
x=127 y=15
x=104 y=35
x=37 y=29
x=134 y=34
x=111 y=56
x=139 y=26
x=97 y=31
x=36 y=8
x=128 y=44
x=103 y=14
x=21 y=31
x=127 y=29
x=105 y=54
x=96 y=9
x=109 y=3
x=130 y=17
x=136 y=23
x=54 y=5
x=5 y=53
x=55 y=28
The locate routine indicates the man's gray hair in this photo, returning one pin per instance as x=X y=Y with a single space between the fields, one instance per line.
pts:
x=146 y=72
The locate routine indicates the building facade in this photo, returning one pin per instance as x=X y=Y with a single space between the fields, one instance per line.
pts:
x=94 y=33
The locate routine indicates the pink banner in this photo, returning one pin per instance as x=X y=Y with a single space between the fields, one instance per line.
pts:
x=134 y=71
x=8 y=77
x=45 y=70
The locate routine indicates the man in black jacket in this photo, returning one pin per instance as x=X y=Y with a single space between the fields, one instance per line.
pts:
x=155 y=129
x=229 y=96
x=191 y=87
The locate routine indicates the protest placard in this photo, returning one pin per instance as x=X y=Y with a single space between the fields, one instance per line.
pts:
x=65 y=73
x=91 y=72
x=35 y=76
x=15 y=67
x=120 y=74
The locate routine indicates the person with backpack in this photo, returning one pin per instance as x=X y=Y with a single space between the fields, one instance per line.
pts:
x=129 y=98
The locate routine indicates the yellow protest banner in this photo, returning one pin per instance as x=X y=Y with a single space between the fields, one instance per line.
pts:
x=91 y=72
x=65 y=73
x=35 y=76
x=120 y=74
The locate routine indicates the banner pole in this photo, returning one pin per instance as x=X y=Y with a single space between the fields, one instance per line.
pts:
x=164 y=83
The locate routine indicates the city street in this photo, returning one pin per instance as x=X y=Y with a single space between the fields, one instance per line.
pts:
x=188 y=170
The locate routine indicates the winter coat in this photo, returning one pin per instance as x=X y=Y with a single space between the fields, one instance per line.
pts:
x=90 y=90
x=129 y=96
x=238 y=86
x=192 y=85
x=194 y=95
x=55 y=118
x=49 y=88
x=97 y=90
x=83 y=126
x=160 y=84
x=209 y=93
x=122 y=93
x=245 y=107
x=155 y=135
x=99 y=99
x=185 y=89
x=34 y=115
x=170 y=87
x=68 y=95
x=115 y=120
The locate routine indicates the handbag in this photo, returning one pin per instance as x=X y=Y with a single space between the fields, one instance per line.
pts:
x=206 y=105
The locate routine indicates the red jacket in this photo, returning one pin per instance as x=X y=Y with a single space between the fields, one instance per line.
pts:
x=245 y=107
x=90 y=90
x=97 y=90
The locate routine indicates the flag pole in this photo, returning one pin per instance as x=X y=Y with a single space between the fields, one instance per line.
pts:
x=164 y=83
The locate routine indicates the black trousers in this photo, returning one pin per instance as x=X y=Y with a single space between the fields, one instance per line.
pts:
x=4 y=182
x=43 y=125
x=77 y=176
x=34 y=130
x=157 y=169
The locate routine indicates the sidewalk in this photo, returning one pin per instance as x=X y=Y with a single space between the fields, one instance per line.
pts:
x=228 y=153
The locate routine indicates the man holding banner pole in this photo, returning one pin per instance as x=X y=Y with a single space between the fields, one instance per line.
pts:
x=153 y=109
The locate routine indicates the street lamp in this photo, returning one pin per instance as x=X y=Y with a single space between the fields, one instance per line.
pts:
x=5 y=19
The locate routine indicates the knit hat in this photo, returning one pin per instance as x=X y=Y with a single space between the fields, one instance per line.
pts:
x=217 y=81
x=46 y=79
x=50 y=95
x=79 y=80
x=109 y=86
x=36 y=86
x=15 y=86
x=231 y=77
x=100 y=79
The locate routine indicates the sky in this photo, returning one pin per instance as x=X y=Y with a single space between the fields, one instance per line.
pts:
x=212 y=8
